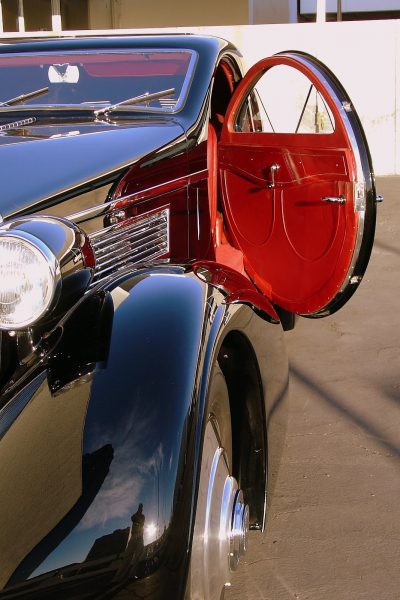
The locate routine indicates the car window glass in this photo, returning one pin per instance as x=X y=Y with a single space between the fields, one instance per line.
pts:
x=98 y=77
x=285 y=101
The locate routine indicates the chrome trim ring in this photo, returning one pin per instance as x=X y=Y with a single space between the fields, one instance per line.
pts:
x=54 y=270
x=239 y=531
x=344 y=108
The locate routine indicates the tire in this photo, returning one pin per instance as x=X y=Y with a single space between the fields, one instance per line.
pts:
x=221 y=516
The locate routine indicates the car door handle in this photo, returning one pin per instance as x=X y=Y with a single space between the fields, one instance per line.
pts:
x=334 y=199
x=273 y=168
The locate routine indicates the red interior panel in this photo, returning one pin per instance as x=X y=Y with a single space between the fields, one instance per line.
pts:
x=212 y=167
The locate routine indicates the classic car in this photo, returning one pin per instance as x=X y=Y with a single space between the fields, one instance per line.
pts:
x=164 y=218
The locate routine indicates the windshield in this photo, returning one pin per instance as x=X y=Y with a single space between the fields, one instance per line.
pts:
x=95 y=79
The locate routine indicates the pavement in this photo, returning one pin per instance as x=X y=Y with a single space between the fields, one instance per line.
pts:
x=333 y=528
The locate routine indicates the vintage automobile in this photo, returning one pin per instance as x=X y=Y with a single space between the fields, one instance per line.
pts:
x=163 y=220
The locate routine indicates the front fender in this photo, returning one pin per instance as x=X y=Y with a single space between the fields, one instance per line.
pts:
x=99 y=464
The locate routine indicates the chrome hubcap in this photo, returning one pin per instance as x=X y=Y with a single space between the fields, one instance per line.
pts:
x=221 y=526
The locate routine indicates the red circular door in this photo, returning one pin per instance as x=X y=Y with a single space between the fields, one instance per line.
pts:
x=297 y=184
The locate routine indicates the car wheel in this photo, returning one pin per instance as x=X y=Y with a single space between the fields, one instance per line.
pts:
x=222 y=517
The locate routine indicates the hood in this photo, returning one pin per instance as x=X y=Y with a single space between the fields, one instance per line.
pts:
x=42 y=161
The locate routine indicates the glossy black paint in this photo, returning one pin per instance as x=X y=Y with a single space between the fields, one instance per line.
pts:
x=70 y=164
x=141 y=437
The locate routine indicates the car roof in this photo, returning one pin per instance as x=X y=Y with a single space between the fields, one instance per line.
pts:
x=104 y=42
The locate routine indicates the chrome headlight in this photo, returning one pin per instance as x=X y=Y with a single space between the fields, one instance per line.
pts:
x=44 y=262
x=29 y=275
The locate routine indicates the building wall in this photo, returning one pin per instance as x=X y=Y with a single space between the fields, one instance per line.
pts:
x=74 y=14
x=158 y=13
x=100 y=14
x=183 y=13
x=262 y=11
x=37 y=15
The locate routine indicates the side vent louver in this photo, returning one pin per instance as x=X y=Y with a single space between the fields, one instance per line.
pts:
x=130 y=242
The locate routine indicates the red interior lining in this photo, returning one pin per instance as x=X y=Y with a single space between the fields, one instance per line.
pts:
x=212 y=167
x=229 y=75
x=224 y=252
x=140 y=69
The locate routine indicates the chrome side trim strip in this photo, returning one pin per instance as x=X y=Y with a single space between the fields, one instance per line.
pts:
x=153 y=191
x=17 y=124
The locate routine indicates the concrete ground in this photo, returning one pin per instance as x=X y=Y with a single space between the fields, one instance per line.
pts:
x=334 y=523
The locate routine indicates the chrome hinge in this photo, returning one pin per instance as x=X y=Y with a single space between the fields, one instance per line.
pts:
x=355 y=279
x=359 y=196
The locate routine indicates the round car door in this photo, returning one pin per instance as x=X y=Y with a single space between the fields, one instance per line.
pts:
x=297 y=184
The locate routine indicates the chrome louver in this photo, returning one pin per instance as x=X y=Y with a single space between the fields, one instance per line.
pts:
x=129 y=243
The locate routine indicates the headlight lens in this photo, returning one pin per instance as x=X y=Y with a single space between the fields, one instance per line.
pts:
x=28 y=279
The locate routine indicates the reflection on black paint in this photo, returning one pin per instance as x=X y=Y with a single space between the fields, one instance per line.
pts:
x=140 y=398
x=107 y=545
x=122 y=549
x=95 y=467
x=137 y=529
x=84 y=344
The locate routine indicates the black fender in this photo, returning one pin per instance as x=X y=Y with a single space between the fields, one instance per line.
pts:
x=101 y=448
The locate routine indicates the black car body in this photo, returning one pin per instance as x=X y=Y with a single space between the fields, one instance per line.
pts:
x=157 y=233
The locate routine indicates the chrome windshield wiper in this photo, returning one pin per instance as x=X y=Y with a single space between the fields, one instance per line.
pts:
x=24 y=97
x=135 y=100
